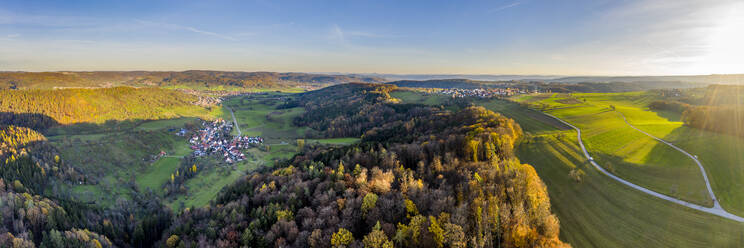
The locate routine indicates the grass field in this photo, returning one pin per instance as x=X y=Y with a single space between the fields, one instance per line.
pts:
x=118 y=153
x=720 y=154
x=411 y=96
x=157 y=174
x=333 y=141
x=600 y=212
x=621 y=149
x=259 y=116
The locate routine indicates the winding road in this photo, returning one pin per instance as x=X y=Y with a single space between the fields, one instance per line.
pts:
x=716 y=209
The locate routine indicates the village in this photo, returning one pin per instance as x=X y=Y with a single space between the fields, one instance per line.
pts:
x=215 y=138
x=483 y=93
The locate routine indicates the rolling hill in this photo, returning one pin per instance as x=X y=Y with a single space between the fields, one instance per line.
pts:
x=194 y=78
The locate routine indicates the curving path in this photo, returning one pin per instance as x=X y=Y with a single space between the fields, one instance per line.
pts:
x=234 y=120
x=716 y=209
x=700 y=165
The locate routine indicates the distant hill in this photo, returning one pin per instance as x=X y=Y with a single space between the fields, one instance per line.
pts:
x=450 y=83
x=567 y=86
x=701 y=79
x=196 y=78
x=475 y=77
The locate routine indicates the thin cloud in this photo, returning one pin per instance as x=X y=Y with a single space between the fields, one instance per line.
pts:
x=186 y=28
x=503 y=7
x=338 y=34
x=76 y=41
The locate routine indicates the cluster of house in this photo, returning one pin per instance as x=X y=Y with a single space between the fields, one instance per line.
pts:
x=482 y=93
x=215 y=138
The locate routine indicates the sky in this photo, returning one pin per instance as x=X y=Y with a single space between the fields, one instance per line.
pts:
x=521 y=37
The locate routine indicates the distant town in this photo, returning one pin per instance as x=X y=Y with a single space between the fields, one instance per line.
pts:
x=483 y=93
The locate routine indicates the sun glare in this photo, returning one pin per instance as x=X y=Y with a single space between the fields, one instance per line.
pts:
x=725 y=48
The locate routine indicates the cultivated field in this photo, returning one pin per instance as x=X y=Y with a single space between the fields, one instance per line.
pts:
x=623 y=150
x=720 y=154
x=600 y=212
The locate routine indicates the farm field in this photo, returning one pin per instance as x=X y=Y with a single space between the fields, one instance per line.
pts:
x=333 y=141
x=600 y=212
x=413 y=96
x=623 y=150
x=719 y=153
x=259 y=116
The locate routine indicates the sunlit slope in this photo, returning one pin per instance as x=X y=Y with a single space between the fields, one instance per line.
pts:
x=625 y=151
x=722 y=155
x=600 y=212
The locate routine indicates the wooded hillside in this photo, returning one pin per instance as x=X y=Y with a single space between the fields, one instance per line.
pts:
x=43 y=108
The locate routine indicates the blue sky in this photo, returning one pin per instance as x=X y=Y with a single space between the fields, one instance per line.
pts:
x=470 y=37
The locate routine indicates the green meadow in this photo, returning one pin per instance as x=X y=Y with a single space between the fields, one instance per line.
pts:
x=600 y=212
x=623 y=150
x=419 y=97
x=720 y=154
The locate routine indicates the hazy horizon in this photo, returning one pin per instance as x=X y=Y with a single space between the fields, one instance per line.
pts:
x=516 y=37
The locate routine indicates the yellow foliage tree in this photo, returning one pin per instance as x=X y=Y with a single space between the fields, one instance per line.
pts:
x=172 y=241
x=342 y=238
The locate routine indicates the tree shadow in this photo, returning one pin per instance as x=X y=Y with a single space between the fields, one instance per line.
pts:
x=667 y=114
x=38 y=122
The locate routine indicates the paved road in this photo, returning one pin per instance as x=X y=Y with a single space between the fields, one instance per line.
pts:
x=235 y=121
x=716 y=209
x=700 y=165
